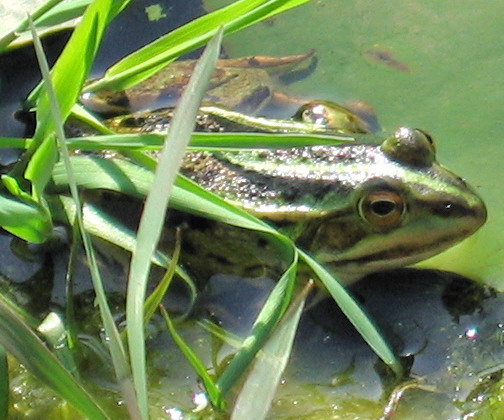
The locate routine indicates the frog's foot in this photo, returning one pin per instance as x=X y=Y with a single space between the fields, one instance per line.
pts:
x=273 y=65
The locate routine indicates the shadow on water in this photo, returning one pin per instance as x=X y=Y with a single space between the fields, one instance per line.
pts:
x=446 y=328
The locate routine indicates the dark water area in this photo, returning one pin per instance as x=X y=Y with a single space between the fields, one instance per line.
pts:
x=19 y=71
x=446 y=329
x=132 y=29
x=19 y=74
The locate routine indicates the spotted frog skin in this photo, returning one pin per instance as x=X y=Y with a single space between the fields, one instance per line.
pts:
x=357 y=208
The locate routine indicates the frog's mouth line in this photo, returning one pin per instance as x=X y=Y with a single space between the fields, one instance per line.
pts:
x=402 y=254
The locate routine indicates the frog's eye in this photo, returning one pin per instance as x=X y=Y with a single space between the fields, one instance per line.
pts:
x=382 y=209
x=314 y=113
x=410 y=146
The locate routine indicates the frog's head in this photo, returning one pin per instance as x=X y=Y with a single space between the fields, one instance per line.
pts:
x=405 y=208
x=332 y=116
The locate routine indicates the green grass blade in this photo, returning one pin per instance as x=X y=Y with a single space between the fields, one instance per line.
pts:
x=156 y=297
x=152 y=218
x=73 y=66
x=203 y=141
x=68 y=76
x=115 y=344
x=151 y=58
x=200 y=29
x=258 y=391
x=8 y=142
x=267 y=319
x=355 y=314
x=20 y=341
x=63 y=12
x=128 y=178
x=69 y=10
x=10 y=36
x=220 y=333
x=101 y=225
x=43 y=158
x=4 y=384
x=24 y=220
x=125 y=177
x=196 y=363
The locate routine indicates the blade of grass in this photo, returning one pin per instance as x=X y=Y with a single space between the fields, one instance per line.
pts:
x=128 y=178
x=153 y=216
x=103 y=226
x=4 y=384
x=73 y=66
x=267 y=319
x=62 y=12
x=151 y=58
x=355 y=314
x=204 y=141
x=8 y=142
x=220 y=333
x=196 y=363
x=156 y=297
x=116 y=347
x=258 y=391
x=67 y=11
x=68 y=75
x=10 y=36
x=20 y=341
x=24 y=220
x=70 y=313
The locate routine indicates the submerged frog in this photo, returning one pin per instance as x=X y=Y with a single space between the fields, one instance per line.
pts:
x=243 y=84
x=357 y=208
x=315 y=117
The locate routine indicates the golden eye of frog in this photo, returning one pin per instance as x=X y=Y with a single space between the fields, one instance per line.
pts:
x=358 y=208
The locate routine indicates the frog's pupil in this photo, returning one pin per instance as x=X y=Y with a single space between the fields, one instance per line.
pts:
x=382 y=207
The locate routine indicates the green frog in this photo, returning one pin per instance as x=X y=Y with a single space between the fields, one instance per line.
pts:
x=357 y=208
x=245 y=85
x=315 y=117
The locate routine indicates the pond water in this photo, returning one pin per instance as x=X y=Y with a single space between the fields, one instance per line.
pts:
x=448 y=82
x=437 y=66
